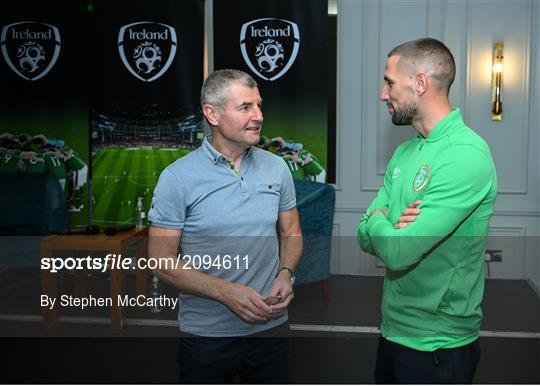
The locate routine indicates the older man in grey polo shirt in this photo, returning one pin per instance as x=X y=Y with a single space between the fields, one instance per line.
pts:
x=223 y=203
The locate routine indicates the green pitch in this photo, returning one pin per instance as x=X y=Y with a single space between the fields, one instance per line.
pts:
x=120 y=175
x=306 y=125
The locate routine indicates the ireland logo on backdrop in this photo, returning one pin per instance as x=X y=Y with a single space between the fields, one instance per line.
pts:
x=30 y=48
x=269 y=46
x=147 y=49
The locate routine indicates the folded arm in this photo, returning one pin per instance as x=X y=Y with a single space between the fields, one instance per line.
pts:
x=456 y=189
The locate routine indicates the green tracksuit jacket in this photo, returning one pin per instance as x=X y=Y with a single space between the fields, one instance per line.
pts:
x=434 y=279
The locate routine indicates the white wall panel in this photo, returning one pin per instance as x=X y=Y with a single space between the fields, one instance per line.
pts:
x=508 y=138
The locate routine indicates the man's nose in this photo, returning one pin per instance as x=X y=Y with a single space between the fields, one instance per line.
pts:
x=384 y=94
x=258 y=114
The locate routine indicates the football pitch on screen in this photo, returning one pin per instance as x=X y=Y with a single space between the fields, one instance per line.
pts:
x=121 y=175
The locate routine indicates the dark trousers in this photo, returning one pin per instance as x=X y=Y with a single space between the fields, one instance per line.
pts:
x=400 y=364
x=254 y=359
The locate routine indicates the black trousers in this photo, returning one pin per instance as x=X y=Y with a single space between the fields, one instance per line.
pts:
x=254 y=359
x=400 y=364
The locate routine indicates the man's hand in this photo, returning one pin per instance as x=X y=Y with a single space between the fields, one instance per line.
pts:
x=242 y=300
x=282 y=287
x=246 y=303
x=409 y=215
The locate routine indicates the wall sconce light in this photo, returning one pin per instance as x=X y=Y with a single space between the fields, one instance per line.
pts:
x=496 y=82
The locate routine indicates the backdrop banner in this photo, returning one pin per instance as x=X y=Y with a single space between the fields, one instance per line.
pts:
x=146 y=63
x=44 y=100
x=283 y=45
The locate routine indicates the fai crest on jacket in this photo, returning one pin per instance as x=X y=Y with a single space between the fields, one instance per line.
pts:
x=421 y=179
x=147 y=49
x=30 y=48
x=269 y=46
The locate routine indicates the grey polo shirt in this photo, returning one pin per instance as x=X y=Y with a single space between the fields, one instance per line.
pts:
x=228 y=224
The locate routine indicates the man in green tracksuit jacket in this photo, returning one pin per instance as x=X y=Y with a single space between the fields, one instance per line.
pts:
x=428 y=224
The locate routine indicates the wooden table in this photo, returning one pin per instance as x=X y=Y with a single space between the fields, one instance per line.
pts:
x=83 y=243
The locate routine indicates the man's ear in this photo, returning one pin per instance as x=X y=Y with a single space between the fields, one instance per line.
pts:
x=211 y=114
x=422 y=83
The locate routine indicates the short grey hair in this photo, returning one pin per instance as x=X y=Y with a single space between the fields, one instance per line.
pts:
x=432 y=54
x=215 y=89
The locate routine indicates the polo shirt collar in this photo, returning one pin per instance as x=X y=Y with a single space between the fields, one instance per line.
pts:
x=214 y=155
x=445 y=125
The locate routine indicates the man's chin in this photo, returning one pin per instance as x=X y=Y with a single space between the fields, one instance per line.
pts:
x=399 y=121
x=253 y=137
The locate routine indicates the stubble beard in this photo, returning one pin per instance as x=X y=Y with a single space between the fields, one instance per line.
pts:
x=405 y=115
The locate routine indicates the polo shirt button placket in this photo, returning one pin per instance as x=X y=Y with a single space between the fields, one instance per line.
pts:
x=243 y=186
